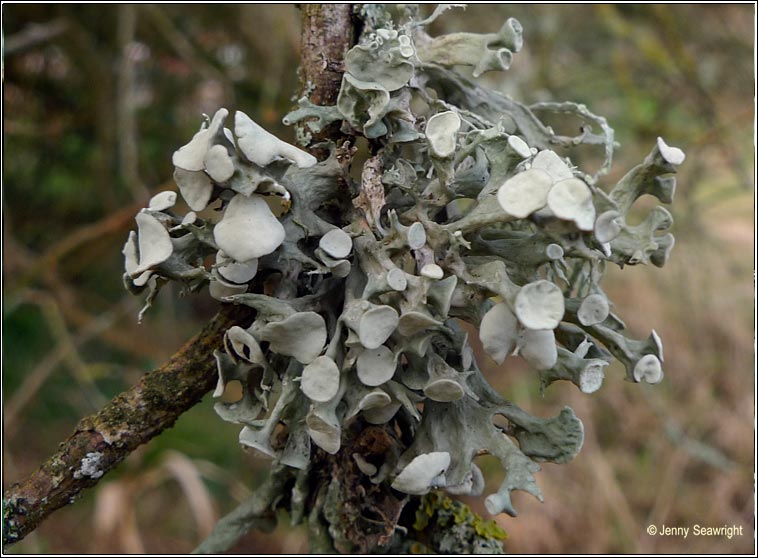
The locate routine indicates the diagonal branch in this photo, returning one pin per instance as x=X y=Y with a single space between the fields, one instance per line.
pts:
x=101 y=441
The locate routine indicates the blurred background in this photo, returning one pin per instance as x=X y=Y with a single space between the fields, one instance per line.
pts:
x=96 y=99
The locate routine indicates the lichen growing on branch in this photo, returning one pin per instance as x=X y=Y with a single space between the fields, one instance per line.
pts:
x=468 y=209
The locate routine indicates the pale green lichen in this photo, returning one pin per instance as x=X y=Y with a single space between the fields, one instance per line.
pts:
x=359 y=287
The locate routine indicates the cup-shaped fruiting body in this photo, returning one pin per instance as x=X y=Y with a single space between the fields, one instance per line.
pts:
x=648 y=369
x=671 y=155
x=586 y=374
x=337 y=243
x=499 y=332
x=441 y=131
x=631 y=351
x=195 y=186
x=235 y=392
x=608 y=226
x=519 y=147
x=154 y=242
x=445 y=383
x=324 y=425
x=406 y=46
x=548 y=160
x=365 y=467
x=301 y=335
x=263 y=148
x=131 y=262
x=594 y=309
x=539 y=305
x=321 y=379
x=218 y=164
x=523 y=194
x=376 y=366
x=162 y=201
x=222 y=290
x=554 y=251
x=413 y=236
x=392 y=280
x=424 y=473
x=233 y=271
x=571 y=199
x=537 y=348
x=240 y=344
x=416 y=235
x=432 y=271
x=191 y=156
x=248 y=229
x=338 y=268
x=376 y=325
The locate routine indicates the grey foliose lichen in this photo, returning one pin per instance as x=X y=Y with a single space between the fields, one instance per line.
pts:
x=465 y=212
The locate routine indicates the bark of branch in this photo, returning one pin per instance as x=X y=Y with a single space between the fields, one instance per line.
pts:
x=328 y=31
x=101 y=441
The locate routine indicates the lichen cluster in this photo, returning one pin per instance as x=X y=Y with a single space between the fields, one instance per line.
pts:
x=467 y=210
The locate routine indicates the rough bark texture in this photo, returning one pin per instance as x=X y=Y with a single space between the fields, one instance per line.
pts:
x=101 y=441
x=328 y=31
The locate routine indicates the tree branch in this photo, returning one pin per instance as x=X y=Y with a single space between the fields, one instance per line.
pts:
x=33 y=35
x=328 y=31
x=101 y=441
x=327 y=34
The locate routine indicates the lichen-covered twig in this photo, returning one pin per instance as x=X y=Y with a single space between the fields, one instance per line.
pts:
x=101 y=441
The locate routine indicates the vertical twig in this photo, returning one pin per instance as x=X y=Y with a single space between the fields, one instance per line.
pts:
x=128 y=157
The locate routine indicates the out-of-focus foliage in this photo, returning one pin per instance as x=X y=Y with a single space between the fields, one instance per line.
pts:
x=94 y=101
